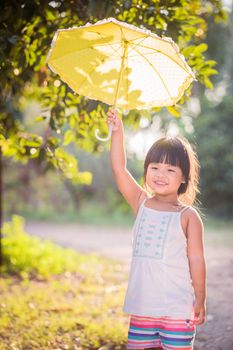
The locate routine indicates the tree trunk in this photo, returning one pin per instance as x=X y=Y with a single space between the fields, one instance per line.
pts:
x=1 y=207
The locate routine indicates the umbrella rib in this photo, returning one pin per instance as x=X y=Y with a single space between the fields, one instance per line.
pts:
x=91 y=72
x=108 y=44
x=121 y=69
x=88 y=48
x=93 y=47
x=139 y=43
x=151 y=48
x=127 y=79
x=165 y=54
x=156 y=71
x=124 y=58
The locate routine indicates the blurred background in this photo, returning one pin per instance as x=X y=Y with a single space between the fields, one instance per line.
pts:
x=57 y=176
x=38 y=190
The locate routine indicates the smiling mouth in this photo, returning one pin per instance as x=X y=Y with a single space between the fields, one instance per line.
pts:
x=160 y=183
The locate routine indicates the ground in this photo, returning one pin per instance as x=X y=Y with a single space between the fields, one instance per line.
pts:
x=217 y=332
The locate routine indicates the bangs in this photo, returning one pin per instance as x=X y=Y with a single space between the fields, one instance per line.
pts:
x=167 y=155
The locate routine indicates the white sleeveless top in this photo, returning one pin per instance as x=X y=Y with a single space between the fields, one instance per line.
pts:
x=159 y=280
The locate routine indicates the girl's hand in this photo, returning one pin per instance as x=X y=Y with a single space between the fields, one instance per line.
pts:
x=113 y=119
x=199 y=313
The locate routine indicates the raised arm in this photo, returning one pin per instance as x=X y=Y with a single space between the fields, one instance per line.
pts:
x=126 y=184
x=195 y=250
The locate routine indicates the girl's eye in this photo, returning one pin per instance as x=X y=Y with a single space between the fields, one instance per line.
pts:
x=153 y=167
x=171 y=170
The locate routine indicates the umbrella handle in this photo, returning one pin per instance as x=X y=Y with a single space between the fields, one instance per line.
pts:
x=104 y=138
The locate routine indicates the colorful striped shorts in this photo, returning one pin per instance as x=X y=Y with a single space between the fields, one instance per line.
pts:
x=167 y=333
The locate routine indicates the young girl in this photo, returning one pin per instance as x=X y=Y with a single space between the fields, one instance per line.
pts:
x=167 y=283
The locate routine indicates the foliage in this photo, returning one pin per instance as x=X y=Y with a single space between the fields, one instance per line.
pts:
x=27 y=256
x=27 y=28
x=214 y=146
x=45 y=196
x=220 y=48
x=213 y=126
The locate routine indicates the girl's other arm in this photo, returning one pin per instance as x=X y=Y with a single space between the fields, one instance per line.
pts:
x=195 y=250
x=126 y=184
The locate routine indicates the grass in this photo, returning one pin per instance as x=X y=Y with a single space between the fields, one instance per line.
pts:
x=70 y=311
x=78 y=308
x=93 y=213
x=90 y=213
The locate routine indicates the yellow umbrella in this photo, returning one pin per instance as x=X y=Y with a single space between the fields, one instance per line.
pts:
x=120 y=64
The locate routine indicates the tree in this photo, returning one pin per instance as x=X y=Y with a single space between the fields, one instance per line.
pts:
x=213 y=127
x=27 y=28
x=214 y=139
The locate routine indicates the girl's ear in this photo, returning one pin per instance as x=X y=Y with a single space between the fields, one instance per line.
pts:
x=183 y=180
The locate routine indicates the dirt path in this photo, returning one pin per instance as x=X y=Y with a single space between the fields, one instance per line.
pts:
x=112 y=242
x=217 y=332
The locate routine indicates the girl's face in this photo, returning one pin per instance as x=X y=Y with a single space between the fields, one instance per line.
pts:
x=164 y=178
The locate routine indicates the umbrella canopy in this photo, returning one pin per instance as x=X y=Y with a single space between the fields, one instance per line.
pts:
x=120 y=64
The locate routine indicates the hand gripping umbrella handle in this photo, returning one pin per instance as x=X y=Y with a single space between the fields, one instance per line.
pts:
x=104 y=138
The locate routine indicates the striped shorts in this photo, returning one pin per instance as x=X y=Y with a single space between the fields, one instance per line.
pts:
x=167 y=333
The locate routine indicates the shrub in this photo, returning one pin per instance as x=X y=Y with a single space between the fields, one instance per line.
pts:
x=29 y=256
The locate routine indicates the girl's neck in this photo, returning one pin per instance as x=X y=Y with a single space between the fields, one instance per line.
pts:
x=167 y=201
x=170 y=199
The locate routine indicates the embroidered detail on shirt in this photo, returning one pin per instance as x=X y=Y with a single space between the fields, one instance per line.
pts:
x=151 y=236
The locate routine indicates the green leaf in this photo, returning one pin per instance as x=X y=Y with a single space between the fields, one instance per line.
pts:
x=210 y=71
x=188 y=50
x=200 y=48
x=208 y=83
x=73 y=120
x=84 y=178
x=50 y=15
x=174 y=111
x=40 y=118
x=210 y=63
x=68 y=137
